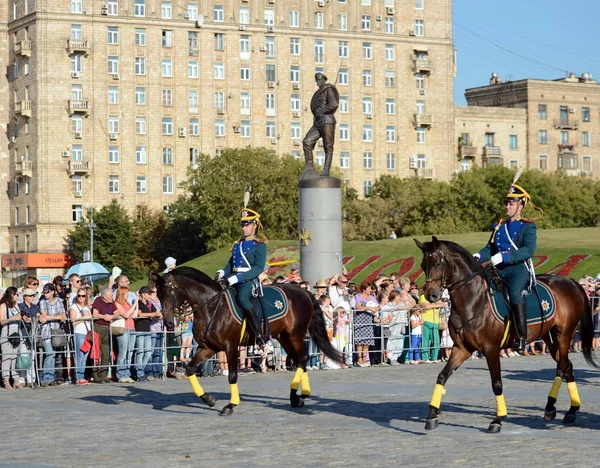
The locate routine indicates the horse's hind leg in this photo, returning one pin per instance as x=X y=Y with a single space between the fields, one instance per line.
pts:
x=457 y=357
x=295 y=349
x=550 y=410
x=493 y=359
x=232 y=358
x=202 y=354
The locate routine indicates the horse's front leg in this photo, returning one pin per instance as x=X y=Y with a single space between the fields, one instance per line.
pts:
x=457 y=357
x=232 y=363
x=493 y=361
x=202 y=354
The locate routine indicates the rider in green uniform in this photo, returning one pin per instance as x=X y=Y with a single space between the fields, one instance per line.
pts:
x=510 y=248
x=248 y=260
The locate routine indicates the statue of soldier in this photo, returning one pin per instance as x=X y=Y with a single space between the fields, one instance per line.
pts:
x=323 y=105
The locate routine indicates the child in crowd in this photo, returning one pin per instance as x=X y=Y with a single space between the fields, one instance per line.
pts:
x=186 y=339
x=325 y=303
x=341 y=321
x=416 y=332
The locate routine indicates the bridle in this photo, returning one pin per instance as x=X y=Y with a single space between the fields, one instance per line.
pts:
x=443 y=262
x=185 y=306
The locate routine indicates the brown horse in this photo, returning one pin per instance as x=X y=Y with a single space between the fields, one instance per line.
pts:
x=215 y=329
x=473 y=328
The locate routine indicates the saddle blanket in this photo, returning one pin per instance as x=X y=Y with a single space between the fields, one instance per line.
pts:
x=535 y=310
x=274 y=300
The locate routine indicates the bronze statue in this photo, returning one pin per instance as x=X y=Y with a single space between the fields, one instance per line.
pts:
x=323 y=105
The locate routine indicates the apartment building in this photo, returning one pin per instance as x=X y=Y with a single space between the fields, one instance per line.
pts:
x=563 y=119
x=117 y=98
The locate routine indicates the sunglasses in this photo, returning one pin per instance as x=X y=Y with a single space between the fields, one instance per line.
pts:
x=46 y=292
x=81 y=295
x=34 y=284
x=343 y=282
x=77 y=281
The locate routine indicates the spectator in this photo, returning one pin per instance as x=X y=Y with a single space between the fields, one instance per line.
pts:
x=10 y=320
x=170 y=263
x=80 y=314
x=279 y=279
x=381 y=329
x=143 y=342
x=104 y=311
x=321 y=288
x=29 y=314
x=305 y=285
x=341 y=325
x=125 y=342
x=399 y=320
x=339 y=294
x=416 y=324
x=186 y=338
x=431 y=329
x=294 y=275
x=157 y=328
x=327 y=310
x=74 y=285
x=30 y=283
x=394 y=280
x=366 y=308
x=52 y=316
x=414 y=292
x=446 y=342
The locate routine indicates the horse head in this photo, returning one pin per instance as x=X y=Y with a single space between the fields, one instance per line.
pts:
x=436 y=267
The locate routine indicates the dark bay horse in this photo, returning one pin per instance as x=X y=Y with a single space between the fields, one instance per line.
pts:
x=216 y=330
x=473 y=327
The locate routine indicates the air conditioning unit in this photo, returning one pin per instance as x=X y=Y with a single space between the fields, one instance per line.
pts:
x=236 y=129
x=77 y=193
x=321 y=3
x=78 y=135
x=270 y=29
x=220 y=111
x=181 y=132
x=244 y=1
x=274 y=141
x=412 y=32
x=412 y=163
x=65 y=154
x=390 y=11
x=272 y=2
x=296 y=142
x=263 y=48
x=186 y=15
x=74 y=74
x=112 y=136
x=104 y=9
x=571 y=110
x=422 y=92
x=378 y=17
x=270 y=84
x=296 y=86
x=369 y=116
x=115 y=76
x=242 y=27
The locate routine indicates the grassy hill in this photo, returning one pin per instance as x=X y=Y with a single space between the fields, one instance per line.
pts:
x=574 y=251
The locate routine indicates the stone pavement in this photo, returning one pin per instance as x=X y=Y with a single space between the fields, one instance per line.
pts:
x=357 y=417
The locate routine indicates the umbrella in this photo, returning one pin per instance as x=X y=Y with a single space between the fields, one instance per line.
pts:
x=91 y=271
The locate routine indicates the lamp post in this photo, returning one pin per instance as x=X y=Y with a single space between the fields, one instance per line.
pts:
x=91 y=226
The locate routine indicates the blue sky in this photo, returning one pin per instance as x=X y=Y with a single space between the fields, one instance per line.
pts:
x=524 y=39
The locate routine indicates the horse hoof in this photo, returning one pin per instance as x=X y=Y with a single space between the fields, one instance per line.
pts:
x=209 y=399
x=549 y=415
x=304 y=396
x=569 y=418
x=494 y=428
x=226 y=411
x=432 y=424
x=297 y=403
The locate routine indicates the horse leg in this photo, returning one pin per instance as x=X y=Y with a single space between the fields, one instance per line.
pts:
x=202 y=354
x=295 y=349
x=550 y=410
x=493 y=360
x=566 y=367
x=457 y=357
x=232 y=357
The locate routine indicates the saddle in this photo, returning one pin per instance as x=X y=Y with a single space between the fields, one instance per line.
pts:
x=271 y=306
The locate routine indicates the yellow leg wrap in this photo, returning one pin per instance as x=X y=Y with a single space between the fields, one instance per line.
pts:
x=574 y=394
x=436 y=398
x=506 y=330
x=555 y=388
x=500 y=406
x=198 y=390
x=305 y=384
x=243 y=330
x=235 y=394
x=297 y=378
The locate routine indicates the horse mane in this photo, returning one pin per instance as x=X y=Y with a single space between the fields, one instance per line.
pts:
x=194 y=274
x=471 y=261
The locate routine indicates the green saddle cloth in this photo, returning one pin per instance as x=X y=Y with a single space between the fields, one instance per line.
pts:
x=274 y=301
x=535 y=311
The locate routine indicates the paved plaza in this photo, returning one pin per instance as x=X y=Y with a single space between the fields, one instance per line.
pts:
x=357 y=417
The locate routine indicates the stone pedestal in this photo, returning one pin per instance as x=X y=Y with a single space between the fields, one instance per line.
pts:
x=320 y=228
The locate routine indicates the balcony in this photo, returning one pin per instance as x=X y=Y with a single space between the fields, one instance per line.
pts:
x=79 y=167
x=564 y=149
x=566 y=124
x=492 y=151
x=78 y=46
x=421 y=65
x=193 y=51
x=23 y=108
x=426 y=173
x=79 y=106
x=23 y=48
x=423 y=120
x=24 y=168
x=467 y=152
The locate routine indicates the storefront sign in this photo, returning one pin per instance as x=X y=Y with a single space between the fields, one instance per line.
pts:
x=35 y=260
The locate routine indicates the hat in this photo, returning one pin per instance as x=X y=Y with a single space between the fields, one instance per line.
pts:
x=583 y=281
x=321 y=284
x=294 y=266
x=48 y=287
x=249 y=216
x=29 y=292
x=170 y=261
x=517 y=193
x=145 y=290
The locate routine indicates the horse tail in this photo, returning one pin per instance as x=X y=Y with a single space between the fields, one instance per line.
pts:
x=318 y=332
x=587 y=329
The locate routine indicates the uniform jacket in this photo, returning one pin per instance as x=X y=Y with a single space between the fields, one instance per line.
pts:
x=323 y=105
x=524 y=235
x=247 y=254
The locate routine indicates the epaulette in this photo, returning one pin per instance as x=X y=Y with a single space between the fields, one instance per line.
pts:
x=528 y=220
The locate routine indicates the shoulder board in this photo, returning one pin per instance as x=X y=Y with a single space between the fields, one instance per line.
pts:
x=528 y=220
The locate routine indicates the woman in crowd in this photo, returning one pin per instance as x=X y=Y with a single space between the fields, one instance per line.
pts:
x=398 y=312
x=366 y=308
x=155 y=369
x=143 y=342
x=30 y=283
x=80 y=314
x=52 y=316
x=125 y=342
x=327 y=309
x=10 y=319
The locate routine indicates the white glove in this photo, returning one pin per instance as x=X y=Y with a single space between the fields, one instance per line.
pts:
x=116 y=271
x=220 y=274
x=477 y=256
x=232 y=280
x=496 y=259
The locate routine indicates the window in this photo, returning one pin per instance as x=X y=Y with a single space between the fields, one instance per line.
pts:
x=344 y=132
x=294 y=46
x=294 y=19
x=542 y=137
x=270 y=104
x=367 y=78
x=367 y=133
x=167 y=97
x=420 y=107
x=270 y=72
x=543 y=162
x=140 y=184
x=421 y=161
x=367 y=105
x=193 y=41
x=77 y=152
x=586 y=139
x=113 y=155
x=390 y=134
x=219 y=41
x=585 y=114
x=76 y=63
x=367 y=187
x=167 y=156
x=113 y=184
x=112 y=7
x=139 y=8
x=295 y=102
x=113 y=95
x=390 y=52
x=166 y=10
x=113 y=65
x=76 y=124
x=168 y=184
x=367 y=50
x=140 y=37
x=219 y=128
x=218 y=14
x=319 y=20
x=345 y=160
x=76 y=7
x=420 y=80
x=113 y=124
x=421 y=135
x=193 y=69
x=140 y=96
x=567 y=161
x=296 y=131
x=366 y=23
x=390 y=161
x=219 y=71
x=140 y=125
x=167 y=126
x=319 y=51
x=269 y=17
x=564 y=137
x=295 y=74
x=390 y=78
x=167 y=38
x=542 y=112
x=194 y=157
x=365 y=2
x=367 y=160
x=244 y=15
x=245 y=129
x=76 y=33
x=512 y=142
x=344 y=105
x=113 y=35
x=390 y=106
x=245 y=46
x=489 y=139
x=140 y=155
x=76 y=184
x=140 y=66
x=586 y=164
x=270 y=130
x=193 y=100
x=419 y=4
x=17 y=216
x=343 y=22
x=167 y=68
x=245 y=104
x=343 y=49
x=76 y=211
x=419 y=28
x=245 y=73
x=389 y=25
x=219 y=100
x=269 y=47
x=343 y=77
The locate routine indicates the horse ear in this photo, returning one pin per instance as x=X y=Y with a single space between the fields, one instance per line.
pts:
x=154 y=278
x=419 y=244
x=435 y=241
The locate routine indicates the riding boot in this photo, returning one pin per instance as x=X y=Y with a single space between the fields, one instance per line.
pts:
x=309 y=169
x=254 y=322
x=327 y=165
x=519 y=313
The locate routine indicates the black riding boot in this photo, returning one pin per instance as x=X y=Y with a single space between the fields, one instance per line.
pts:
x=327 y=165
x=254 y=322
x=519 y=313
